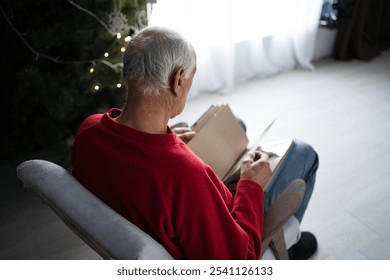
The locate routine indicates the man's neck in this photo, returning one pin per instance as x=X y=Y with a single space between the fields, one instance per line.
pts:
x=148 y=114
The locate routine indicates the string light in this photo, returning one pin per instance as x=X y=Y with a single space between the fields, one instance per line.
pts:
x=117 y=26
x=106 y=54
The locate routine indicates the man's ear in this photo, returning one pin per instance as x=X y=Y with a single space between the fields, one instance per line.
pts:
x=177 y=85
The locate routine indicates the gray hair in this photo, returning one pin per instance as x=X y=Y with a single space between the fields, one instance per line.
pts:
x=153 y=55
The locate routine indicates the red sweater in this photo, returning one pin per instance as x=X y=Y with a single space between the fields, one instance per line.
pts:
x=159 y=184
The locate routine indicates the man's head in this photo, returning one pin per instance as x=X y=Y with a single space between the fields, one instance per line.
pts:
x=154 y=56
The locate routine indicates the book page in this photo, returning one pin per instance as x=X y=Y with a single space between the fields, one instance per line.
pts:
x=220 y=140
x=210 y=113
x=277 y=151
x=233 y=175
x=280 y=151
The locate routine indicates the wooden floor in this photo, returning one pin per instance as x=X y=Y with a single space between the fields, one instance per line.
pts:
x=342 y=109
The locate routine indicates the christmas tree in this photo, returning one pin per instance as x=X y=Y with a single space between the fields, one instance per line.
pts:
x=61 y=61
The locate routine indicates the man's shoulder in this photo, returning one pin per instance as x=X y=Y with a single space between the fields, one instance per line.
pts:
x=90 y=122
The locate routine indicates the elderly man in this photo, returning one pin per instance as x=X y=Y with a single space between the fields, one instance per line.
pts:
x=136 y=164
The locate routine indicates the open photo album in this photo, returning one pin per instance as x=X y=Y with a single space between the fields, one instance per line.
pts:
x=222 y=143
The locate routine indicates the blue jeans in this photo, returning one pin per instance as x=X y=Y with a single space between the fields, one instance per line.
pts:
x=302 y=163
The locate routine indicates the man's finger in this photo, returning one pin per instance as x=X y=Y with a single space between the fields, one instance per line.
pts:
x=189 y=134
x=249 y=157
x=264 y=157
x=180 y=130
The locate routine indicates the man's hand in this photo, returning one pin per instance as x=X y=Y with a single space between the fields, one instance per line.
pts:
x=255 y=167
x=184 y=133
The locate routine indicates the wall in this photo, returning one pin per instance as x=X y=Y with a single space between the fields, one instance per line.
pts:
x=324 y=43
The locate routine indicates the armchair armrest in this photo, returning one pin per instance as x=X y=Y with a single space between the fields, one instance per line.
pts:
x=278 y=214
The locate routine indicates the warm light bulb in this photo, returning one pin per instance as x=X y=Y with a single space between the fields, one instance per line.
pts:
x=127 y=39
x=96 y=87
x=118 y=85
x=106 y=54
x=118 y=35
x=91 y=70
x=123 y=49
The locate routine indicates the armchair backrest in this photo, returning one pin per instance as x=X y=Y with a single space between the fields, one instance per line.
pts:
x=104 y=230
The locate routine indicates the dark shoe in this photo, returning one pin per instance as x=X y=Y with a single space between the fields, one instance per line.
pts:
x=304 y=248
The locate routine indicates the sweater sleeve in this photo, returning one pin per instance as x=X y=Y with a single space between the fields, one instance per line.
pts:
x=212 y=224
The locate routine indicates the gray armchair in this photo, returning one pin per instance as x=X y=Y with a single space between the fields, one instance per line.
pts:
x=114 y=237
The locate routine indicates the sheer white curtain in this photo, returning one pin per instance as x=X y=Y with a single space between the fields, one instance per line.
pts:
x=238 y=40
